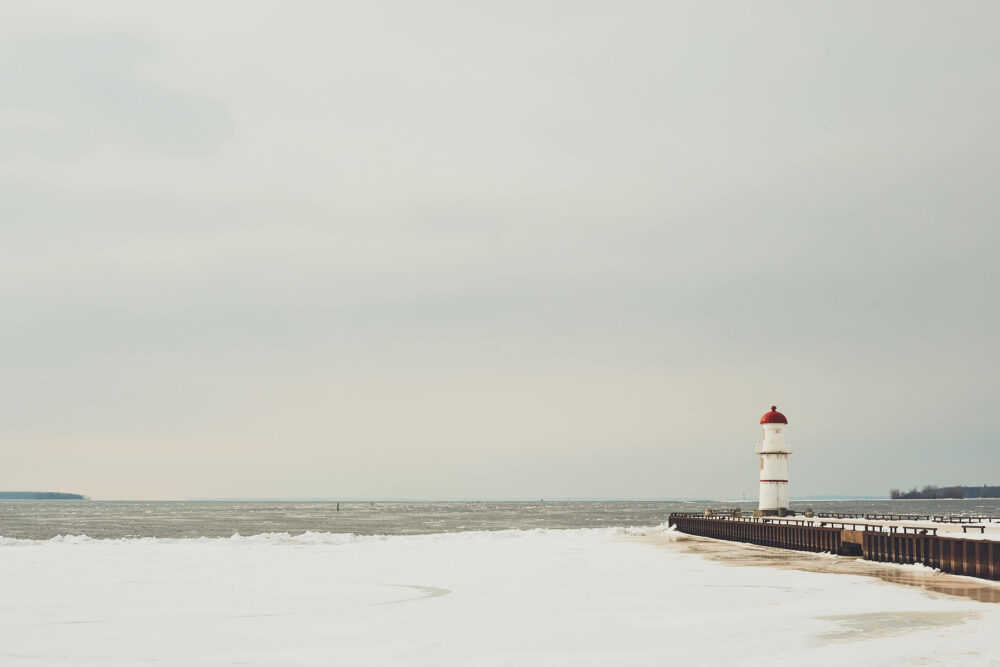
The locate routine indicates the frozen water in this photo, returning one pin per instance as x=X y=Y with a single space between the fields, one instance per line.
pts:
x=534 y=597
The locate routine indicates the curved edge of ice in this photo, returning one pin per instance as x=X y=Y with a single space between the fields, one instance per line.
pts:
x=311 y=538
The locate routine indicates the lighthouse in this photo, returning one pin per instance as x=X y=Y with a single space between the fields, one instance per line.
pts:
x=773 y=451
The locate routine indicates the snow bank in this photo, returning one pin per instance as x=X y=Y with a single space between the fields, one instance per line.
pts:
x=322 y=538
x=540 y=597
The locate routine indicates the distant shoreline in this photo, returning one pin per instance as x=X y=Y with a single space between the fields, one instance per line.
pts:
x=931 y=492
x=40 y=495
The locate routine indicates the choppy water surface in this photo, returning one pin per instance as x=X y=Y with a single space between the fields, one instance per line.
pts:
x=115 y=519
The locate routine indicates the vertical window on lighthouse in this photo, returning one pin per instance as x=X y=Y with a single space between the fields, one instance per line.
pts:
x=762 y=463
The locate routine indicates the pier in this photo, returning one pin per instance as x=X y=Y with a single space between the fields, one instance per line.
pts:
x=878 y=542
x=765 y=532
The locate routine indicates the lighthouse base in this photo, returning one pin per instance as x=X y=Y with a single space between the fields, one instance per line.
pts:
x=781 y=511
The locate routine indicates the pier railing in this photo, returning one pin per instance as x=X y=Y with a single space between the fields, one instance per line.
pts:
x=824 y=523
x=937 y=518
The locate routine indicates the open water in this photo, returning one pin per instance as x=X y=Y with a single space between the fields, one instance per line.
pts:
x=121 y=519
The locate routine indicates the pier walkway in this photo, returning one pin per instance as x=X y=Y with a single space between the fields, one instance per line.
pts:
x=937 y=518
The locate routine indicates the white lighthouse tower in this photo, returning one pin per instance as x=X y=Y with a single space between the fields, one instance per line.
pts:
x=774 y=453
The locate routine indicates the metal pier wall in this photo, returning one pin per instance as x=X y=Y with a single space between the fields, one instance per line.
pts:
x=973 y=558
x=784 y=536
x=955 y=555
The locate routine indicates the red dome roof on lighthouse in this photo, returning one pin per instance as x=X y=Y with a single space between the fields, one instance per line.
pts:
x=773 y=417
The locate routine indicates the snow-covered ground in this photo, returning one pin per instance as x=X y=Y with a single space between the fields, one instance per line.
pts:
x=546 y=597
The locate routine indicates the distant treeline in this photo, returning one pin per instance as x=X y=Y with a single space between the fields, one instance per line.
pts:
x=39 y=495
x=933 y=492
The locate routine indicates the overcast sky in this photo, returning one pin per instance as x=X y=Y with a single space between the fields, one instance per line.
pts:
x=497 y=250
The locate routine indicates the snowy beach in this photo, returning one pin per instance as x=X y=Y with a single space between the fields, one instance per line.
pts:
x=536 y=597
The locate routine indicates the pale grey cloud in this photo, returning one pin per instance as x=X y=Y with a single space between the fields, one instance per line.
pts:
x=537 y=249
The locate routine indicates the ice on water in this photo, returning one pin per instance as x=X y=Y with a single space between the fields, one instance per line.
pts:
x=515 y=597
